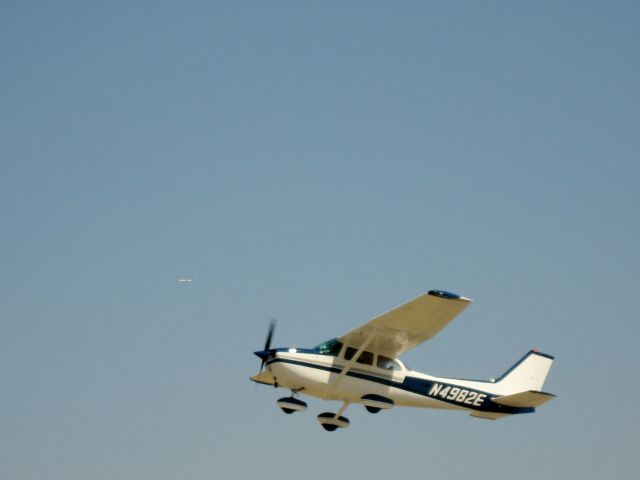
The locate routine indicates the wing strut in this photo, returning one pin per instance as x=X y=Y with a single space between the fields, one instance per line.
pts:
x=355 y=357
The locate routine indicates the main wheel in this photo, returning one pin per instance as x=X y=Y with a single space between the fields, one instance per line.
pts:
x=330 y=422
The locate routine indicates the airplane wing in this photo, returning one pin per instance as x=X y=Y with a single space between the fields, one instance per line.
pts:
x=408 y=325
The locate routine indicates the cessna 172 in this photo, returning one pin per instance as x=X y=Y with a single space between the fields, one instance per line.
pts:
x=363 y=367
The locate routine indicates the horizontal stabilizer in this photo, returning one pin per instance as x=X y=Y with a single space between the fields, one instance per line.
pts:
x=489 y=415
x=528 y=399
x=264 y=377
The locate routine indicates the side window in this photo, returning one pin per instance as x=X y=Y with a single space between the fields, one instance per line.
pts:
x=366 y=358
x=387 y=363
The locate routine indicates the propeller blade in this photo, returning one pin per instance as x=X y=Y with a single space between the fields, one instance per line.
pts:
x=267 y=344
x=272 y=327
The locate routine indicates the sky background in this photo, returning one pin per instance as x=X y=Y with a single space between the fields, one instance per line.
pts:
x=320 y=163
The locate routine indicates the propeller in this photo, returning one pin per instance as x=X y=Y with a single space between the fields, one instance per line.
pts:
x=266 y=352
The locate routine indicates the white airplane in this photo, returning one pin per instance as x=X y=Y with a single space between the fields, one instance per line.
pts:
x=362 y=367
x=185 y=280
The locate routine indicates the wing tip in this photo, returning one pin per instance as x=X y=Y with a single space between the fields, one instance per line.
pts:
x=535 y=351
x=448 y=295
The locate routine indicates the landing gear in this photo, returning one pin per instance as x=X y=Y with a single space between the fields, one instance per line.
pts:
x=332 y=421
x=374 y=403
x=329 y=421
x=291 y=404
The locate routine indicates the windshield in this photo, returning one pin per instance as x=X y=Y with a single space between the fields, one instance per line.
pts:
x=330 y=347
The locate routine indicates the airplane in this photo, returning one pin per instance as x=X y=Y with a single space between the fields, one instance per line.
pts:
x=362 y=367
x=185 y=280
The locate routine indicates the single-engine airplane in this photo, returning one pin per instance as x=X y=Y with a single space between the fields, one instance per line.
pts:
x=362 y=367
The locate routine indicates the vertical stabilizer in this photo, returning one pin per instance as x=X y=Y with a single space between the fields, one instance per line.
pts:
x=528 y=374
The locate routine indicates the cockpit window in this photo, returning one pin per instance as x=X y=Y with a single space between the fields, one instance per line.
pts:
x=349 y=353
x=331 y=347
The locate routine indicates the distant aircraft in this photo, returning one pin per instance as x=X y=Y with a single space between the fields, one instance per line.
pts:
x=363 y=367
x=185 y=280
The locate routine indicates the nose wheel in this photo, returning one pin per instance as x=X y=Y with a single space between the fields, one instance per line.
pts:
x=290 y=405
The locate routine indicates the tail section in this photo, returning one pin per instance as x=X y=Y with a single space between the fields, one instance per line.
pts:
x=529 y=373
x=519 y=389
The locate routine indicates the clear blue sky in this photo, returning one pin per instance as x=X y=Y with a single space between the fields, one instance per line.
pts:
x=318 y=162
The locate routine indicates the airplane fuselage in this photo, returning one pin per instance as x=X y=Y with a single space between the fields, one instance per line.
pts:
x=324 y=377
